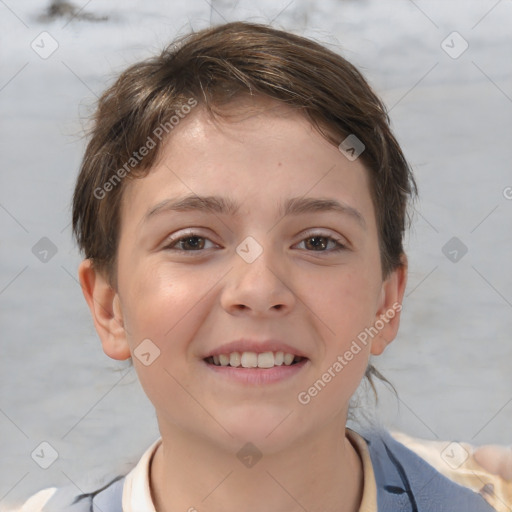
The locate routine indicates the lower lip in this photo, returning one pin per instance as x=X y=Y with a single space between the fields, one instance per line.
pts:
x=258 y=376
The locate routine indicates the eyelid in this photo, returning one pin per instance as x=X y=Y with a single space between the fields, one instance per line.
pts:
x=323 y=232
x=185 y=233
x=341 y=241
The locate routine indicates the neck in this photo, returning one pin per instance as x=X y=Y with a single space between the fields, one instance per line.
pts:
x=323 y=473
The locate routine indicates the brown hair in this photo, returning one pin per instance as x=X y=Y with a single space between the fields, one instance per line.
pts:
x=211 y=67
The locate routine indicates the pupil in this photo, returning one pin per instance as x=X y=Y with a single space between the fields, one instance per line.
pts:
x=194 y=242
x=318 y=242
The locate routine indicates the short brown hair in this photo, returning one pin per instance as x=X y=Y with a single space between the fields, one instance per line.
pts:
x=212 y=67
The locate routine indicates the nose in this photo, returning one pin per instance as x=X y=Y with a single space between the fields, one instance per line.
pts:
x=258 y=289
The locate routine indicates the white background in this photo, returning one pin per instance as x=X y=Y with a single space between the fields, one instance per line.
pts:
x=451 y=363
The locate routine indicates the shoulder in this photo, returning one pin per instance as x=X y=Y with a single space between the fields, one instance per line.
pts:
x=406 y=482
x=65 y=499
x=108 y=498
x=487 y=470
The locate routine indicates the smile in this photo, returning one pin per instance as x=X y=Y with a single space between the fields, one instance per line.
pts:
x=254 y=360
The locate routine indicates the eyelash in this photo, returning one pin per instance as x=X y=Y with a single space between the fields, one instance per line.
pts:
x=338 y=245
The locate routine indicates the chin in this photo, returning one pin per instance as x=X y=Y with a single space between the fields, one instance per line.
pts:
x=269 y=428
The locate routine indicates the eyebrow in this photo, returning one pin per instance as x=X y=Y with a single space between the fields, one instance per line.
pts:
x=226 y=206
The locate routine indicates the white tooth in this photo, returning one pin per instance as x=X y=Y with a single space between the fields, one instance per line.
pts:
x=279 y=358
x=223 y=359
x=288 y=359
x=234 y=359
x=249 y=360
x=266 y=360
x=216 y=360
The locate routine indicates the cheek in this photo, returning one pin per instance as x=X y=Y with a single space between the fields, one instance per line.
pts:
x=343 y=306
x=166 y=305
x=165 y=308
x=346 y=302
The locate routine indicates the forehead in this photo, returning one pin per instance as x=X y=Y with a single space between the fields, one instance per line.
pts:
x=258 y=153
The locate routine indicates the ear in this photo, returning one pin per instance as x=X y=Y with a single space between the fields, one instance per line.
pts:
x=387 y=318
x=105 y=306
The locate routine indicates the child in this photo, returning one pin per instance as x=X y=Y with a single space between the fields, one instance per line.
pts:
x=241 y=207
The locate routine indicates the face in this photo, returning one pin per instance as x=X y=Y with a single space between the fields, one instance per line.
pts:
x=251 y=244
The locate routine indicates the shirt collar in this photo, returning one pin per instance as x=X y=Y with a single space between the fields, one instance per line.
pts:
x=136 y=490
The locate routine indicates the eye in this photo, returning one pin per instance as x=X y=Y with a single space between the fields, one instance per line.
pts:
x=321 y=243
x=190 y=242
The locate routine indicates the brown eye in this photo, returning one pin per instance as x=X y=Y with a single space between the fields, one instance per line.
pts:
x=191 y=243
x=317 y=243
x=321 y=243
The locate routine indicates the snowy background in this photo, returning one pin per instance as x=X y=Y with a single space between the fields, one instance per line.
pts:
x=451 y=108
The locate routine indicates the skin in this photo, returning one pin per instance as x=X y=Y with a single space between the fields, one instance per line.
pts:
x=496 y=459
x=190 y=302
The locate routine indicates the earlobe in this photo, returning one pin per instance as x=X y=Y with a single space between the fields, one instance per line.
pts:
x=387 y=319
x=106 y=310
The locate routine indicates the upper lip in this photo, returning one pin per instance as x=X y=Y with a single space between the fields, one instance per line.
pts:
x=249 y=345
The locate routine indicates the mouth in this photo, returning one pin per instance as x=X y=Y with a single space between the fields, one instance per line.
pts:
x=262 y=360
x=255 y=362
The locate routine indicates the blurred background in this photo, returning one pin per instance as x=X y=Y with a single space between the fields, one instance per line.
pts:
x=443 y=69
